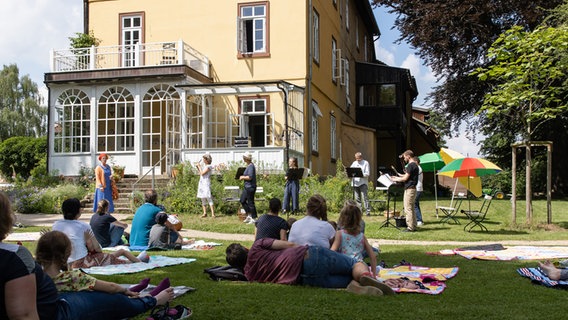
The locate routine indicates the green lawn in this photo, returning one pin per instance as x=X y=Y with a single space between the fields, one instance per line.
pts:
x=481 y=290
x=498 y=222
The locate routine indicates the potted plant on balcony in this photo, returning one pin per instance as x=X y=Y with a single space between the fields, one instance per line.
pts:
x=82 y=42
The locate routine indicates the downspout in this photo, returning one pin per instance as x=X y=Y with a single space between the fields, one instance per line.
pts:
x=284 y=89
x=309 y=87
x=86 y=16
x=49 y=143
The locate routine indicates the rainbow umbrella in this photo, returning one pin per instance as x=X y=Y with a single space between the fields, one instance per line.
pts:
x=469 y=167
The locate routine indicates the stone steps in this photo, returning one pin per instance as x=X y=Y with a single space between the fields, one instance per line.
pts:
x=122 y=205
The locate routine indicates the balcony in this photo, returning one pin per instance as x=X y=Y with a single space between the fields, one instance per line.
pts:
x=123 y=57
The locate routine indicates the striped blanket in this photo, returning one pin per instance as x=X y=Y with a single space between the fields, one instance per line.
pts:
x=432 y=278
x=537 y=276
x=511 y=253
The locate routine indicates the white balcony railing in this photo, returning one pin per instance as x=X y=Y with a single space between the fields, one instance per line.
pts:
x=129 y=56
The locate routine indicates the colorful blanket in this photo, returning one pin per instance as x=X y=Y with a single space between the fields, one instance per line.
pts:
x=537 y=276
x=178 y=290
x=511 y=253
x=155 y=262
x=432 y=278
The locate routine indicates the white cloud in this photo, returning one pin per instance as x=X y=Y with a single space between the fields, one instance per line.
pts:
x=30 y=28
x=413 y=63
x=385 y=55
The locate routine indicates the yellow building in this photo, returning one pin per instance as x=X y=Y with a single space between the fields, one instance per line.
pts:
x=173 y=79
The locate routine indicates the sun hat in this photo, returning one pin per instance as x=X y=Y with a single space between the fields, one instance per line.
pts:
x=102 y=155
x=247 y=155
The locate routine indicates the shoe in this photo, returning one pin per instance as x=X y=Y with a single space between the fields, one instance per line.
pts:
x=143 y=256
x=407 y=230
x=247 y=219
x=355 y=287
x=368 y=281
x=204 y=215
x=252 y=221
x=420 y=223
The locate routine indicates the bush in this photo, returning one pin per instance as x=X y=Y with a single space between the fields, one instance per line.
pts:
x=32 y=199
x=21 y=155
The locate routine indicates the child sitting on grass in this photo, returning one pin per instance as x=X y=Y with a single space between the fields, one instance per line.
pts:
x=53 y=249
x=349 y=239
x=164 y=236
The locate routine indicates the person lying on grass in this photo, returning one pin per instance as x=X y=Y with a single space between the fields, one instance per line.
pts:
x=552 y=271
x=53 y=249
x=284 y=262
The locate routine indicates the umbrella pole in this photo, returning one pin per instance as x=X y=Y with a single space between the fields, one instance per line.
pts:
x=454 y=193
x=436 y=191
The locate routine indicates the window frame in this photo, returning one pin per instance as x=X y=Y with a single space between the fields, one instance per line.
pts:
x=241 y=30
x=112 y=121
x=333 y=137
x=67 y=140
x=315 y=128
x=334 y=60
x=316 y=36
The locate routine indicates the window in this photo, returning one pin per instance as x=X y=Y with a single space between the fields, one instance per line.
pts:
x=253 y=28
x=316 y=37
x=346 y=73
x=115 y=121
x=333 y=137
x=357 y=34
x=253 y=105
x=315 y=114
x=334 y=3
x=334 y=61
x=347 y=15
x=387 y=95
x=72 y=122
x=131 y=35
x=365 y=48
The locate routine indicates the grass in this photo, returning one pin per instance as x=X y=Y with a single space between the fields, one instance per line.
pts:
x=481 y=290
x=498 y=222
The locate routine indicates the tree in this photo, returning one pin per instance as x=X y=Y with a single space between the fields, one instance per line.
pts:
x=453 y=36
x=20 y=155
x=529 y=82
x=20 y=111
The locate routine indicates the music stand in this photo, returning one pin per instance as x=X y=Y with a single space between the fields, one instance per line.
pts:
x=240 y=172
x=354 y=172
x=392 y=189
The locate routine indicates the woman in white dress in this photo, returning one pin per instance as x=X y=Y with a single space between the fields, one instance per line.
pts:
x=204 y=188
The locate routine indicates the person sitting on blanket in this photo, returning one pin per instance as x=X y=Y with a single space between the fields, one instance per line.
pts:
x=106 y=228
x=86 y=251
x=144 y=219
x=163 y=235
x=53 y=249
x=284 y=262
x=552 y=271
x=350 y=240
x=270 y=225
x=26 y=292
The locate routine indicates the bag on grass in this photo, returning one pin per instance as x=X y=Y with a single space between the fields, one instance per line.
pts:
x=219 y=273
x=166 y=313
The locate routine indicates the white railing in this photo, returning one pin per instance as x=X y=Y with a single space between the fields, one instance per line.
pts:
x=129 y=56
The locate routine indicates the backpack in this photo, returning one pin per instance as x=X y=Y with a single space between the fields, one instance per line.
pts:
x=219 y=273
x=166 y=313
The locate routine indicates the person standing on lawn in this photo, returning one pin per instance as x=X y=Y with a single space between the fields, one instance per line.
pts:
x=103 y=184
x=419 y=190
x=410 y=179
x=292 y=188
x=361 y=185
x=204 y=187
x=247 y=197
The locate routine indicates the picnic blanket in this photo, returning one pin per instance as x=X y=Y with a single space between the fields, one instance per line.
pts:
x=511 y=253
x=155 y=262
x=432 y=278
x=178 y=290
x=197 y=245
x=23 y=236
x=537 y=276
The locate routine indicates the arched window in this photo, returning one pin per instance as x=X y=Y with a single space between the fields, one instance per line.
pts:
x=115 y=125
x=72 y=122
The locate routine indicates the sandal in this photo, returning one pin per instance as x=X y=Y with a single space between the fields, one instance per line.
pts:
x=204 y=215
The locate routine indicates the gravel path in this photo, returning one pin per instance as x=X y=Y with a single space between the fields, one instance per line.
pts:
x=48 y=219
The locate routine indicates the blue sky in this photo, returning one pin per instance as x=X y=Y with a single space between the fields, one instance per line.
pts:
x=30 y=28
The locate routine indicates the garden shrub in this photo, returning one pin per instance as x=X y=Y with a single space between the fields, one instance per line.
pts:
x=27 y=198
x=21 y=154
